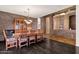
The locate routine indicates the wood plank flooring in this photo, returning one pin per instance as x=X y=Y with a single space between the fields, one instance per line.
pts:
x=61 y=39
x=44 y=47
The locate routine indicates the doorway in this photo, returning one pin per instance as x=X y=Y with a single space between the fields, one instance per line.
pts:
x=72 y=22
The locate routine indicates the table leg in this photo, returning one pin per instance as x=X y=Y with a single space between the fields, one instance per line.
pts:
x=28 y=41
x=35 y=38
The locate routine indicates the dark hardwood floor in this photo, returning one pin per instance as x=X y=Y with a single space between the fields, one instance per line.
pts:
x=45 y=47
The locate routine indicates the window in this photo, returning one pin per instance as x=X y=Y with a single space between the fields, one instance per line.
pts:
x=39 y=23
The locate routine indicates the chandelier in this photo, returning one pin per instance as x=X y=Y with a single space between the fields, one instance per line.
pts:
x=28 y=21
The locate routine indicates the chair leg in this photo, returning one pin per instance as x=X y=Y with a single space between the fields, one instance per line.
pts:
x=16 y=44
x=19 y=45
x=6 y=46
x=6 y=49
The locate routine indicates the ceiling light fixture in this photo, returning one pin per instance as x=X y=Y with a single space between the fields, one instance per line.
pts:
x=28 y=21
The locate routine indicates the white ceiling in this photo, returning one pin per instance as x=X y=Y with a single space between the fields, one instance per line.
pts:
x=35 y=10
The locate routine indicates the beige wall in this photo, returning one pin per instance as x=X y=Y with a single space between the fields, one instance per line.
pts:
x=77 y=31
x=66 y=22
x=47 y=25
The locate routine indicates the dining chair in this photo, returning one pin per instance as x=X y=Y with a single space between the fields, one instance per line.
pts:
x=32 y=36
x=22 y=40
x=32 y=39
x=10 y=40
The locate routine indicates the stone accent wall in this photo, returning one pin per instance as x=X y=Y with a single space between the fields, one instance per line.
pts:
x=6 y=20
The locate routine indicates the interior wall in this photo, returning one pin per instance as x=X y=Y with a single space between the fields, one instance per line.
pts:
x=57 y=22
x=34 y=24
x=77 y=29
x=66 y=22
x=51 y=24
x=47 y=25
x=43 y=24
x=6 y=20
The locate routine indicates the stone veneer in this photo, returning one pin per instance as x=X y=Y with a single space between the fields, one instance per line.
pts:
x=6 y=20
